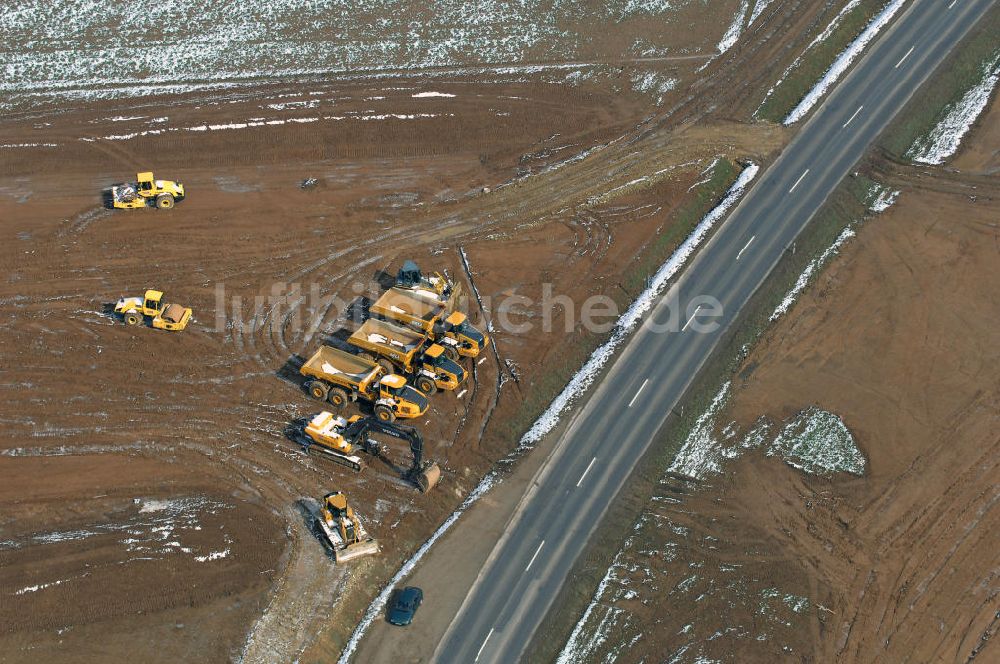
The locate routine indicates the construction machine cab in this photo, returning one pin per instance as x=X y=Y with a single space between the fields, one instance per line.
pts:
x=145 y=181
x=436 y=356
x=408 y=400
x=151 y=302
x=409 y=275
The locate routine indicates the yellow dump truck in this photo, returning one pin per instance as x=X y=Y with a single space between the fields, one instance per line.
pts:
x=410 y=352
x=452 y=331
x=339 y=377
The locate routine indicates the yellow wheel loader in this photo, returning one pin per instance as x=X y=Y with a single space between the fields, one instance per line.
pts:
x=135 y=310
x=343 y=530
x=147 y=192
x=340 y=440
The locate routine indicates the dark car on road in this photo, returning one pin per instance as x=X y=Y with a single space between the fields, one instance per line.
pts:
x=404 y=605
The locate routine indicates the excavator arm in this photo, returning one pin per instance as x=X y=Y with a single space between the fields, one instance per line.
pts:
x=423 y=475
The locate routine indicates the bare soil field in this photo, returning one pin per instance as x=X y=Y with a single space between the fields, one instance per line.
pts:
x=764 y=562
x=206 y=415
x=155 y=504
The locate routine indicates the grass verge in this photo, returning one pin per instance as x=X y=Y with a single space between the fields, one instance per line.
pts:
x=816 y=61
x=962 y=71
x=577 y=348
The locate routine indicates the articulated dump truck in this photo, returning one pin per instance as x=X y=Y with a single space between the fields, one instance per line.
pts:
x=410 y=352
x=452 y=331
x=339 y=377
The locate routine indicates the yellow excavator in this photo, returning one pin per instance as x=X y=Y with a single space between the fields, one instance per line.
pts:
x=343 y=530
x=134 y=310
x=341 y=440
x=147 y=190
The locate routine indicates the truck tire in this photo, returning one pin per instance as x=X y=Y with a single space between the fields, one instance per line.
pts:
x=389 y=367
x=337 y=397
x=451 y=353
x=426 y=385
x=318 y=390
x=385 y=414
x=132 y=318
x=165 y=201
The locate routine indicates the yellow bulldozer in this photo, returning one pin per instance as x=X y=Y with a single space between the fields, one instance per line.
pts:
x=343 y=530
x=135 y=310
x=147 y=191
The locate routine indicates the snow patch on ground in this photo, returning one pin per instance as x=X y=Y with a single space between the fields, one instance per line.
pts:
x=819 y=39
x=881 y=200
x=844 y=61
x=758 y=9
x=214 y=555
x=654 y=84
x=264 y=122
x=40 y=586
x=819 y=443
x=421 y=95
x=807 y=274
x=633 y=315
x=702 y=454
x=735 y=29
x=580 y=644
x=944 y=140
x=884 y=200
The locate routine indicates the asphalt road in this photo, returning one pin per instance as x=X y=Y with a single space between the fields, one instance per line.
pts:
x=623 y=414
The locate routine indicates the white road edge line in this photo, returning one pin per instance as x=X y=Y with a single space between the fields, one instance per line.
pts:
x=904 y=57
x=691 y=319
x=745 y=247
x=952 y=4
x=580 y=481
x=637 y=393
x=853 y=116
x=801 y=177
x=534 y=556
x=484 y=644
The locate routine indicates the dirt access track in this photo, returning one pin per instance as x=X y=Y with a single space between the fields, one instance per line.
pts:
x=155 y=505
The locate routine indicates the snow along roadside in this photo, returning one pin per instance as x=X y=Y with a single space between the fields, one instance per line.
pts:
x=632 y=316
x=946 y=137
x=580 y=382
x=843 y=62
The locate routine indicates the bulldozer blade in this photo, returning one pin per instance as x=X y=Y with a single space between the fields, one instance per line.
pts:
x=428 y=478
x=356 y=550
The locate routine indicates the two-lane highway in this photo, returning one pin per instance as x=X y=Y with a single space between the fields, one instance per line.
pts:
x=622 y=415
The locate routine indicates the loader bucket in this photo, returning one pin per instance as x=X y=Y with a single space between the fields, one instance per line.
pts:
x=428 y=478
x=356 y=550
